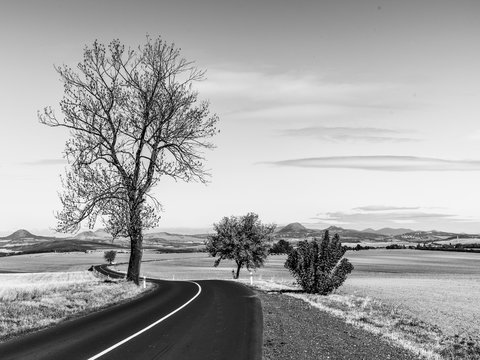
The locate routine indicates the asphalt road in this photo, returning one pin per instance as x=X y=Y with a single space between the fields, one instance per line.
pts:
x=223 y=321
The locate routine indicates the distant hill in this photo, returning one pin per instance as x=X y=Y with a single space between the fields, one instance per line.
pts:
x=24 y=241
x=433 y=235
x=63 y=245
x=388 y=231
x=350 y=235
x=99 y=234
x=298 y=231
x=23 y=234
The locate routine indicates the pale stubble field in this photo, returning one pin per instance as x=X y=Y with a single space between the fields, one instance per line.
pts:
x=440 y=288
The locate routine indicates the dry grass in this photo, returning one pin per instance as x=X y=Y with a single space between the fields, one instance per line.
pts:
x=30 y=302
x=390 y=322
x=440 y=288
x=427 y=289
x=373 y=316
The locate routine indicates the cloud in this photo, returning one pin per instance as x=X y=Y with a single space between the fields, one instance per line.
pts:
x=42 y=162
x=368 y=218
x=294 y=95
x=294 y=87
x=375 y=208
x=382 y=163
x=369 y=134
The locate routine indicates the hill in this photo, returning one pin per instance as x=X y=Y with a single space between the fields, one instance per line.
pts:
x=24 y=241
x=63 y=245
x=298 y=231
x=354 y=236
x=433 y=235
x=22 y=234
x=99 y=234
x=388 y=231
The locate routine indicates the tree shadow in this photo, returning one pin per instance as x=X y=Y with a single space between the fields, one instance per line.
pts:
x=283 y=291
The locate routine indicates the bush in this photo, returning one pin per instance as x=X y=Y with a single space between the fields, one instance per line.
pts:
x=281 y=247
x=318 y=266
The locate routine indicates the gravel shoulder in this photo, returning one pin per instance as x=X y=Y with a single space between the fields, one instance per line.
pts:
x=294 y=329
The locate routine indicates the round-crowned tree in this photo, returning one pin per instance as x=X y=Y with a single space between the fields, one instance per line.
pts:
x=243 y=239
x=110 y=256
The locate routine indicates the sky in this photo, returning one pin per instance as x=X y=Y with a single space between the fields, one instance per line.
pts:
x=353 y=113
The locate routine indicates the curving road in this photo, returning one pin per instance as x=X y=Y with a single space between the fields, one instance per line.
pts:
x=209 y=319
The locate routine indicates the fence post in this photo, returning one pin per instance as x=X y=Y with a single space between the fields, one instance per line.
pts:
x=144 y=282
x=251 y=277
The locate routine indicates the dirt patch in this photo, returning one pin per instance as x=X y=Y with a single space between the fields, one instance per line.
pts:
x=294 y=329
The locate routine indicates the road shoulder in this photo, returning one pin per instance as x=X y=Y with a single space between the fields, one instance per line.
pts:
x=294 y=329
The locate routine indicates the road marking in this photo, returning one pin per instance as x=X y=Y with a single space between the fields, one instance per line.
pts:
x=149 y=326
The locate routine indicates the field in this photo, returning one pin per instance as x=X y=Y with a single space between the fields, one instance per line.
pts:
x=31 y=301
x=459 y=241
x=49 y=262
x=440 y=288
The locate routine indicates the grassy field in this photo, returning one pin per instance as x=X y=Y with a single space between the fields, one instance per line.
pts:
x=459 y=241
x=48 y=262
x=32 y=301
x=440 y=288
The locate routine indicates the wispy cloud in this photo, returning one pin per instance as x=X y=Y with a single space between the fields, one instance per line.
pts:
x=369 y=134
x=375 y=208
x=292 y=95
x=43 y=162
x=370 y=218
x=382 y=163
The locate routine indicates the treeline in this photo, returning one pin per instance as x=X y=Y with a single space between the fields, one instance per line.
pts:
x=398 y=246
x=359 y=247
x=475 y=248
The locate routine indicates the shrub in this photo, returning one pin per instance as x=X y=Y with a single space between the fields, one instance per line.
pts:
x=281 y=247
x=318 y=266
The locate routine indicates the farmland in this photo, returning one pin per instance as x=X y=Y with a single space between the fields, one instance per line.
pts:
x=440 y=288
x=31 y=301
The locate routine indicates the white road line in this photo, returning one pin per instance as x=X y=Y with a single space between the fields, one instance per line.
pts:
x=148 y=327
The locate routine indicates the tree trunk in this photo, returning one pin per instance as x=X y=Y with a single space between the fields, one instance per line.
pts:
x=136 y=243
x=239 y=266
x=136 y=247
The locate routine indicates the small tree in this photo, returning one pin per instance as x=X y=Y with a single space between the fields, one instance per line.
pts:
x=110 y=256
x=243 y=239
x=318 y=265
x=281 y=247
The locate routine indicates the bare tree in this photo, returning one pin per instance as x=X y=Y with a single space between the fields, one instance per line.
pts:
x=133 y=118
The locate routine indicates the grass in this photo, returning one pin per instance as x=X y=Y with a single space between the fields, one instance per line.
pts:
x=414 y=292
x=401 y=329
x=425 y=300
x=440 y=288
x=30 y=302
